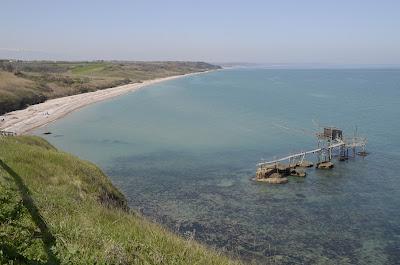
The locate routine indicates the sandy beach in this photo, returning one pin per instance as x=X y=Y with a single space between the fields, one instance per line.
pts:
x=23 y=121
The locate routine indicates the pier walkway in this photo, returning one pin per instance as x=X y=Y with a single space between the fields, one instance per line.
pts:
x=351 y=144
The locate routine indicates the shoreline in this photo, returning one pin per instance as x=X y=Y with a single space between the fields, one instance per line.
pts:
x=38 y=115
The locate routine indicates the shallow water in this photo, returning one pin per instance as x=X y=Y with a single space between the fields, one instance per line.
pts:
x=183 y=152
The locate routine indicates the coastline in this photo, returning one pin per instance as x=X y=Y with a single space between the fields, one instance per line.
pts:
x=38 y=115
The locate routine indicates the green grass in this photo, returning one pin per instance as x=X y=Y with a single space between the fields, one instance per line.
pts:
x=57 y=209
x=88 y=68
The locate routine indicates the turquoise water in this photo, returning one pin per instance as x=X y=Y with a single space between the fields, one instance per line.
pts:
x=183 y=152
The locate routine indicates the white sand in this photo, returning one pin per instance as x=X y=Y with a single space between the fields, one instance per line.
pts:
x=23 y=121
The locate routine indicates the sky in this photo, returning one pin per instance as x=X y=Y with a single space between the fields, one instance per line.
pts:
x=263 y=31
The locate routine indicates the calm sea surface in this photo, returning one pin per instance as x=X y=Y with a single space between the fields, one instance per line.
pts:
x=183 y=152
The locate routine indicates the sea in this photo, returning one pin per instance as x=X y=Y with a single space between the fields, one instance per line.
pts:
x=184 y=153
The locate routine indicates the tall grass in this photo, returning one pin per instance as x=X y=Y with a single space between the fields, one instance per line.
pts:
x=57 y=209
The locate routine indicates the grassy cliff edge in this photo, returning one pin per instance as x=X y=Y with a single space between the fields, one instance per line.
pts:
x=58 y=209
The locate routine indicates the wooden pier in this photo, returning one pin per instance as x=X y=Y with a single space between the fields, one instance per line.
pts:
x=331 y=141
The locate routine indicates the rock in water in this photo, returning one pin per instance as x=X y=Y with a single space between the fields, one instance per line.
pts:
x=325 y=165
x=305 y=163
x=298 y=173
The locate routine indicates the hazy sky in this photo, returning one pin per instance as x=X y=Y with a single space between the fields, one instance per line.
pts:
x=286 y=31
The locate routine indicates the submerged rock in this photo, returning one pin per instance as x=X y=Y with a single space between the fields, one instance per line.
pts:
x=275 y=180
x=363 y=153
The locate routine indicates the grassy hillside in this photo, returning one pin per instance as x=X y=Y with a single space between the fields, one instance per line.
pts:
x=24 y=83
x=57 y=209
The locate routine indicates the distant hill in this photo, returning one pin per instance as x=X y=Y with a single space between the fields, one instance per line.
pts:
x=23 y=83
